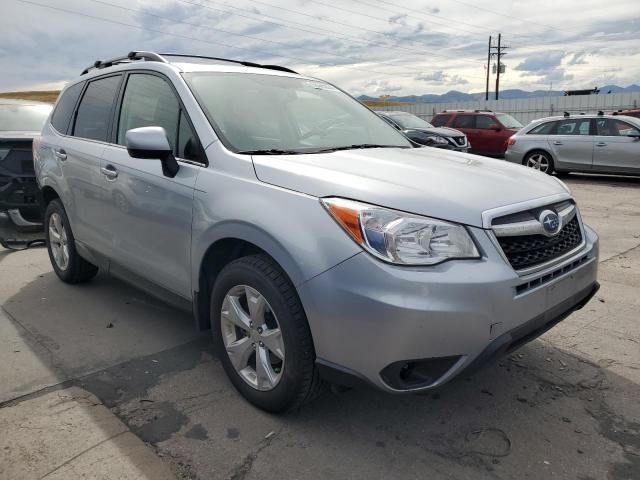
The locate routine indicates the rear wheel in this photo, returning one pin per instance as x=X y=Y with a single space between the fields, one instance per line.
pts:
x=539 y=160
x=69 y=266
x=263 y=336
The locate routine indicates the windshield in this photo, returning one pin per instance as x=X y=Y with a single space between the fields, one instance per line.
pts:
x=23 y=118
x=410 y=121
x=508 y=121
x=277 y=114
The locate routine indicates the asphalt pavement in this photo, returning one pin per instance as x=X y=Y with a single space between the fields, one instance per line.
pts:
x=565 y=406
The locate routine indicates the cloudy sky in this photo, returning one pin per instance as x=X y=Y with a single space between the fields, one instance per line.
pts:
x=373 y=47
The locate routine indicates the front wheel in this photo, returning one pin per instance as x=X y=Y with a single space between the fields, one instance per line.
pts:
x=539 y=161
x=262 y=334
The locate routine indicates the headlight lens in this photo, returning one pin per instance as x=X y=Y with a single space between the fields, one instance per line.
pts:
x=436 y=139
x=401 y=238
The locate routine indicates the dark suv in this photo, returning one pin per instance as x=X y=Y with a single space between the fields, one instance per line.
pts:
x=487 y=131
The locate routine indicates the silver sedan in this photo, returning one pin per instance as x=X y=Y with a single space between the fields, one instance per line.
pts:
x=581 y=143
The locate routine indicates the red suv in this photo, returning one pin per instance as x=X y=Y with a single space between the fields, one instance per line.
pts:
x=632 y=112
x=487 y=131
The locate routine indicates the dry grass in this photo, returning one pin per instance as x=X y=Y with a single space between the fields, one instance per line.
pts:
x=382 y=103
x=48 y=96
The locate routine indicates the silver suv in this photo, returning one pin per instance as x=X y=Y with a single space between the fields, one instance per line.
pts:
x=302 y=228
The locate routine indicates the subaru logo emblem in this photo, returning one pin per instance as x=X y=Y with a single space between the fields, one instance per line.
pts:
x=550 y=222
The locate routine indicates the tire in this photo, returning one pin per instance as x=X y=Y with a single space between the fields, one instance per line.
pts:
x=292 y=379
x=60 y=239
x=539 y=160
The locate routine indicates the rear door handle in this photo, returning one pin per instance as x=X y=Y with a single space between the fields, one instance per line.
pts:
x=110 y=171
x=601 y=144
x=557 y=142
x=60 y=153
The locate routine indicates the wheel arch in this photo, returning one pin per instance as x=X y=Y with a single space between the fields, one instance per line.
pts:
x=225 y=244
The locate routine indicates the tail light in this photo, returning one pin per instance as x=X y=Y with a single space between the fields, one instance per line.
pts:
x=511 y=141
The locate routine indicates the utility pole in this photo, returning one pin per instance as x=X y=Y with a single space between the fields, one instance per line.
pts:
x=486 y=92
x=499 y=54
x=497 y=51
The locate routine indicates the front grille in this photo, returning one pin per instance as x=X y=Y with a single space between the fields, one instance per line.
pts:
x=459 y=140
x=530 y=250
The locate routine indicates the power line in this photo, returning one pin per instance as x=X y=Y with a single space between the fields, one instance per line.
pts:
x=186 y=37
x=506 y=15
x=276 y=42
x=342 y=36
x=346 y=25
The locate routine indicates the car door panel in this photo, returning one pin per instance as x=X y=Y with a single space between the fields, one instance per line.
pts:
x=149 y=215
x=614 y=150
x=149 y=218
x=572 y=144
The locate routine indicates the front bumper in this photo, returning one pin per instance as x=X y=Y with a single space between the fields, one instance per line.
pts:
x=369 y=318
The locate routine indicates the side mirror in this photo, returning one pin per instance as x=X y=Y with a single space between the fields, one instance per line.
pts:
x=152 y=143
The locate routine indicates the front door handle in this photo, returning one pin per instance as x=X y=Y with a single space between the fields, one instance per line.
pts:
x=110 y=171
x=60 y=153
x=557 y=142
x=601 y=144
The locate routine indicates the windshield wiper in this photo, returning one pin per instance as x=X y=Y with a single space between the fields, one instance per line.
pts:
x=271 y=151
x=358 y=146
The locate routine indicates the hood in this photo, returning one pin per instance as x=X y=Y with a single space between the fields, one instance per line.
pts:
x=442 y=131
x=427 y=181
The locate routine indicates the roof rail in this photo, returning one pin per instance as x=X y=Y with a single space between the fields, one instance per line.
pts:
x=488 y=111
x=240 y=62
x=130 y=57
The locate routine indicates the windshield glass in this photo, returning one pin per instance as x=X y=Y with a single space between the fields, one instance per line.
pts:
x=508 y=121
x=410 y=121
x=25 y=118
x=254 y=112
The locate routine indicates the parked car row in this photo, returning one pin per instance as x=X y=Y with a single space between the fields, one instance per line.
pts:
x=302 y=228
x=581 y=143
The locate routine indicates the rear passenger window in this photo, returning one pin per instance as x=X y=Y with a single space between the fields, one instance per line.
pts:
x=94 y=111
x=483 y=121
x=614 y=128
x=64 y=109
x=543 y=129
x=463 y=121
x=574 y=126
x=149 y=101
x=440 y=120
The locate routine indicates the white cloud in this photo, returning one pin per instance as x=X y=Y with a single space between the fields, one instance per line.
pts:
x=391 y=48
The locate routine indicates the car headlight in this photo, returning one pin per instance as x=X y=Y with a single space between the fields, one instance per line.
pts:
x=436 y=139
x=398 y=237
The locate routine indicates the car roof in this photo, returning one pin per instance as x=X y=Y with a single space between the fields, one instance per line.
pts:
x=181 y=63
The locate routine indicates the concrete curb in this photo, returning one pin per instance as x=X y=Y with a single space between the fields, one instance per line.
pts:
x=69 y=434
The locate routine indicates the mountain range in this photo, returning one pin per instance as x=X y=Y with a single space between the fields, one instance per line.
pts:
x=456 y=96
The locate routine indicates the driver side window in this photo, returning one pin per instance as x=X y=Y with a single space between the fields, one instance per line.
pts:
x=149 y=101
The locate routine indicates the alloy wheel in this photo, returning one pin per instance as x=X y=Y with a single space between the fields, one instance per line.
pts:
x=538 y=161
x=58 y=241
x=252 y=337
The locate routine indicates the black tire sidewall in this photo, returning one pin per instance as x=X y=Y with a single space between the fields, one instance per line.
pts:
x=296 y=366
x=67 y=275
